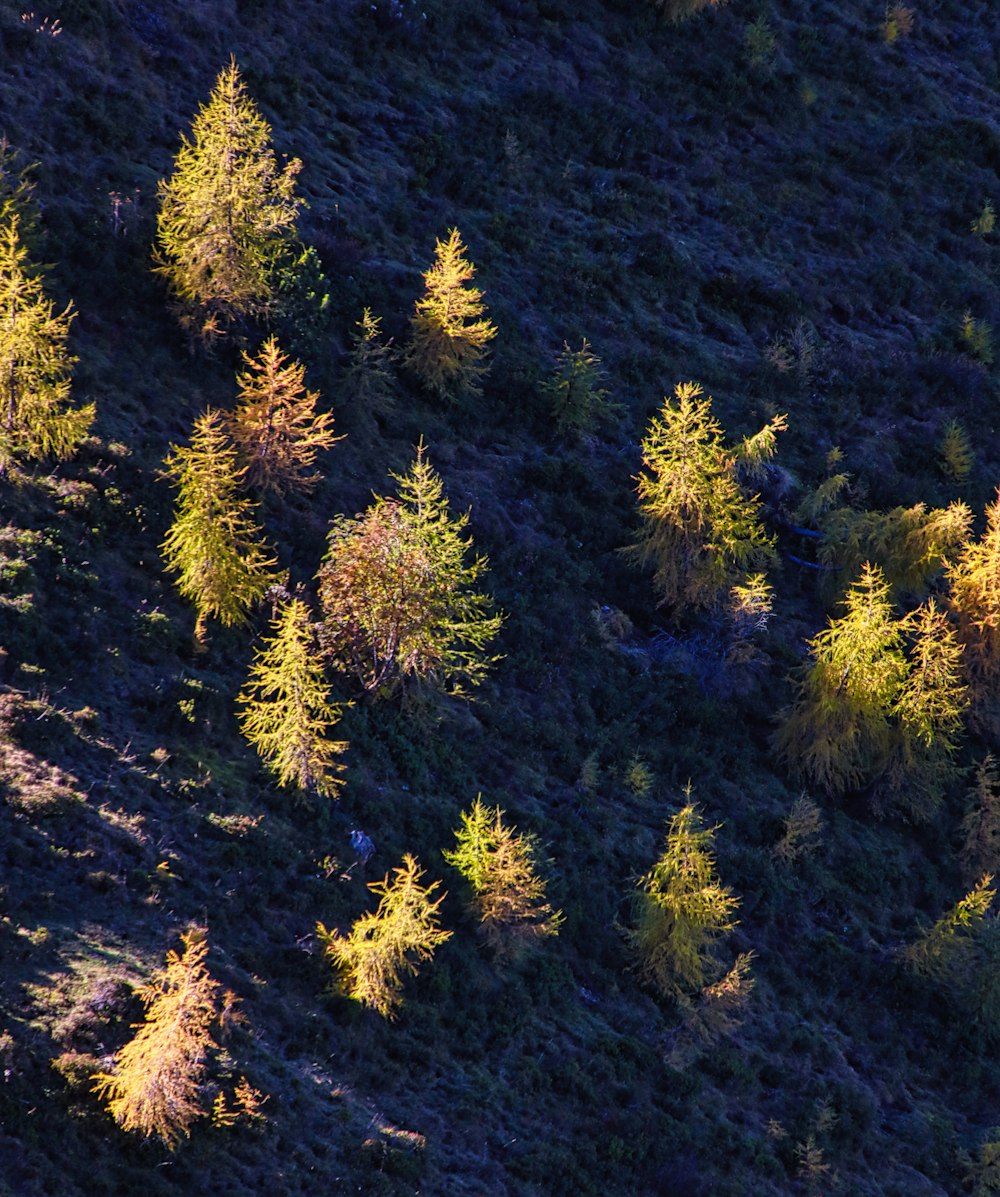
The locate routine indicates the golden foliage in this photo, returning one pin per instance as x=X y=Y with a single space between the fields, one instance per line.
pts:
x=155 y=1087
x=450 y=333
x=382 y=947
x=274 y=426
x=499 y=865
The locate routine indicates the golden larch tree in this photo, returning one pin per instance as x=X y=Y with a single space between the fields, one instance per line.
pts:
x=286 y=711
x=155 y=1085
x=214 y=545
x=275 y=426
x=450 y=333
x=385 y=945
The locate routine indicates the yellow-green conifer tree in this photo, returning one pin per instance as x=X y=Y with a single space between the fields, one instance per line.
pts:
x=450 y=333
x=214 y=546
x=275 y=426
x=36 y=419
x=286 y=712
x=385 y=945
x=701 y=530
x=227 y=213
x=682 y=908
x=501 y=867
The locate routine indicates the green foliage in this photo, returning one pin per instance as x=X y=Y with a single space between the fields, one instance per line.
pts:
x=274 y=426
x=227 y=213
x=866 y=707
x=369 y=381
x=575 y=390
x=760 y=44
x=701 y=530
x=974 y=600
x=398 y=597
x=911 y=545
x=450 y=334
x=286 y=711
x=214 y=545
x=382 y=947
x=980 y=851
x=36 y=420
x=956 y=452
x=156 y=1085
x=500 y=866
x=681 y=909
x=947 y=952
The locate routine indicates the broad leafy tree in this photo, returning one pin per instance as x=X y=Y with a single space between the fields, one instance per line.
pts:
x=286 y=711
x=450 y=333
x=701 y=531
x=275 y=426
x=36 y=417
x=398 y=592
x=227 y=212
x=214 y=546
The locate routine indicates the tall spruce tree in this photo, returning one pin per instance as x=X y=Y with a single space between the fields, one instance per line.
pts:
x=214 y=545
x=36 y=419
x=227 y=213
x=286 y=712
x=450 y=333
x=701 y=530
x=275 y=426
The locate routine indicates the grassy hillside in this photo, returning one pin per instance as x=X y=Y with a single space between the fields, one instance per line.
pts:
x=772 y=199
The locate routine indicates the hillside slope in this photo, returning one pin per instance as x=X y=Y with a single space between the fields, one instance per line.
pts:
x=771 y=199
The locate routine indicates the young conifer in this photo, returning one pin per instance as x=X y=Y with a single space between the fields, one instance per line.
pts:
x=369 y=382
x=450 y=332
x=398 y=595
x=382 y=947
x=980 y=851
x=701 y=531
x=975 y=601
x=274 y=426
x=576 y=390
x=286 y=711
x=948 y=951
x=36 y=419
x=155 y=1086
x=214 y=545
x=227 y=213
x=681 y=909
x=500 y=865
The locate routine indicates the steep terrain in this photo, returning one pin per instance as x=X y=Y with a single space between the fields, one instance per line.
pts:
x=770 y=198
